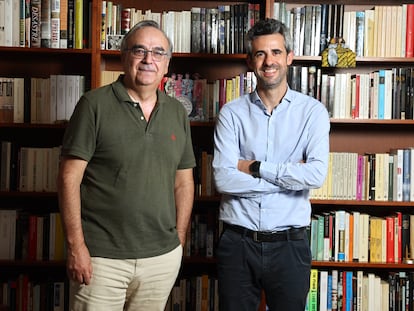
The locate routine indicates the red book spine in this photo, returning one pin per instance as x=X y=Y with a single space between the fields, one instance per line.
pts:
x=390 y=239
x=409 y=35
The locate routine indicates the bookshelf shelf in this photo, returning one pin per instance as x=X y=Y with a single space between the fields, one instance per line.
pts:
x=34 y=51
x=38 y=264
x=361 y=265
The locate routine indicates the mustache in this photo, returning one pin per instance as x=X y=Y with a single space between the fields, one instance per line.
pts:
x=147 y=67
x=264 y=67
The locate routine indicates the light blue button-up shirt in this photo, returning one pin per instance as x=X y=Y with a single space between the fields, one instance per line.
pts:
x=292 y=144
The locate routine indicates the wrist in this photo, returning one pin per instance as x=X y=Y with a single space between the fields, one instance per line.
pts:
x=254 y=169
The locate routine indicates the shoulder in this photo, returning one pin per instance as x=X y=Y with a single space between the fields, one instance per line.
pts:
x=236 y=106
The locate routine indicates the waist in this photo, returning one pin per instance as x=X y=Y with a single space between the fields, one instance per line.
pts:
x=269 y=236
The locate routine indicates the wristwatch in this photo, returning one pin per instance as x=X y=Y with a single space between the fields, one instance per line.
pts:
x=254 y=169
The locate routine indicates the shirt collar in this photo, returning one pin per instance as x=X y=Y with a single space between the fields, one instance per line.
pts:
x=122 y=94
x=288 y=98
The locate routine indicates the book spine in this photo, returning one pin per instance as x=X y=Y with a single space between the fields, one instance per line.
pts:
x=78 y=22
x=409 y=34
x=103 y=25
x=71 y=24
x=35 y=36
x=45 y=24
x=55 y=24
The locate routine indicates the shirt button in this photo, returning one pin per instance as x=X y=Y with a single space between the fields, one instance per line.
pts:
x=142 y=118
x=135 y=105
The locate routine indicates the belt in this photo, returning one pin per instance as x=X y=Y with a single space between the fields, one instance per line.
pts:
x=265 y=236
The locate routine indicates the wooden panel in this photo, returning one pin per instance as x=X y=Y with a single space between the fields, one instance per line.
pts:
x=369 y=137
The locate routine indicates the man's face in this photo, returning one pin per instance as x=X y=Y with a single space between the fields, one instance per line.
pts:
x=270 y=61
x=144 y=69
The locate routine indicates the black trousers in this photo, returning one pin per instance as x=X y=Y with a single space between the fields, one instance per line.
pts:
x=245 y=267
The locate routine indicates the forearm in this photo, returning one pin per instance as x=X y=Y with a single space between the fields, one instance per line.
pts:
x=184 y=199
x=69 y=178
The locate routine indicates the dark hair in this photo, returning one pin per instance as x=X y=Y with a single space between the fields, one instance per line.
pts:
x=142 y=24
x=268 y=26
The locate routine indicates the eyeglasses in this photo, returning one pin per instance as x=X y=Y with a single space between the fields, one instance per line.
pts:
x=139 y=53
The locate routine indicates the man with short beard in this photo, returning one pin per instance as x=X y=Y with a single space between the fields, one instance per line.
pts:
x=271 y=148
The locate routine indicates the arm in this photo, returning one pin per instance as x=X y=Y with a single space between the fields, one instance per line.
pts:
x=231 y=178
x=310 y=170
x=78 y=263
x=184 y=198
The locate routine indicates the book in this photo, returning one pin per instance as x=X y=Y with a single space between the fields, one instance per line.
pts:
x=78 y=24
x=63 y=24
x=390 y=252
x=35 y=22
x=406 y=175
x=375 y=250
x=409 y=36
x=8 y=234
x=405 y=237
x=363 y=237
x=323 y=291
x=45 y=23
x=55 y=23
x=313 y=291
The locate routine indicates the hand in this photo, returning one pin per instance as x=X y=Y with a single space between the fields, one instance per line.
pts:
x=78 y=264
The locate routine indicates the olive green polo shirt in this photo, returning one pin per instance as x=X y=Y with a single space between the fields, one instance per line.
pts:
x=127 y=193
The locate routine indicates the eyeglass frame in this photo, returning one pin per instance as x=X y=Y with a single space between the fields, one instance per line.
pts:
x=159 y=53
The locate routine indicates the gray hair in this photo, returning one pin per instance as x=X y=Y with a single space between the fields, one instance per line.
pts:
x=142 y=24
x=268 y=26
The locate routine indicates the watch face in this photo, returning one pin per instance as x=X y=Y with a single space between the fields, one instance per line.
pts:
x=255 y=168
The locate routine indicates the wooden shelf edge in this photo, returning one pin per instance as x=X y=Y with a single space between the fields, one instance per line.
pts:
x=34 y=263
x=362 y=203
x=362 y=265
x=14 y=49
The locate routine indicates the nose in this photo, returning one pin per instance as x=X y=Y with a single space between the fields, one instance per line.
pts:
x=147 y=57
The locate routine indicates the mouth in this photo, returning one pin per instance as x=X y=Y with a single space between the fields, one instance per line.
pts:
x=268 y=72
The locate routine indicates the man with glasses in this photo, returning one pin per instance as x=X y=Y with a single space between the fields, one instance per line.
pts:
x=126 y=185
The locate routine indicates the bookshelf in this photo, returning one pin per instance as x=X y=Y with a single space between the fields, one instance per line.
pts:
x=347 y=135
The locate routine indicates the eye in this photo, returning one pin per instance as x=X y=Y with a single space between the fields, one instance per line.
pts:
x=259 y=55
x=138 y=51
x=159 y=53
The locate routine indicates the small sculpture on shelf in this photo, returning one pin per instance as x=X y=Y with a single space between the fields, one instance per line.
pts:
x=338 y=55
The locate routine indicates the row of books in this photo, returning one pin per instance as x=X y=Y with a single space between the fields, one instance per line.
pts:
x=218 y=29
x=372 y=176
x=202 y=98
x=381 y=94
x=356 y=236
x=341 y=290
x=28 y=169
x=40 y=100
x=31 y=237
x=202 y=236
x=375 y=31
x=45 y=23
x=198 y=293
x=24 y=293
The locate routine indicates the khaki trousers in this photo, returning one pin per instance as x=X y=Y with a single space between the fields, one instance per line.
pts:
x=127 y=284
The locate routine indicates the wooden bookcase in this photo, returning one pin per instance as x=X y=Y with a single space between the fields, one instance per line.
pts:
x=347 y=135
